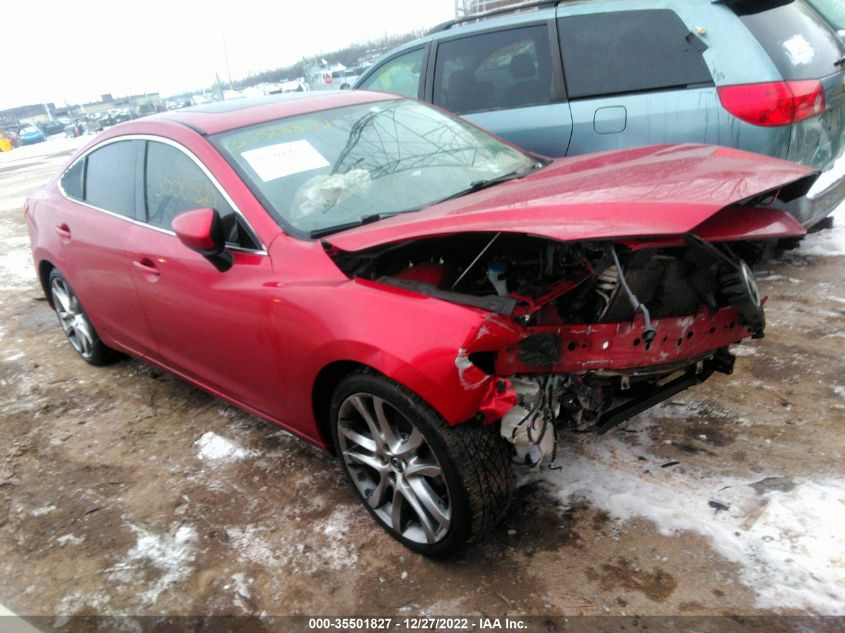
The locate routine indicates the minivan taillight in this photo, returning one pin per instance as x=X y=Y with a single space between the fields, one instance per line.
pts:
x=774 y=103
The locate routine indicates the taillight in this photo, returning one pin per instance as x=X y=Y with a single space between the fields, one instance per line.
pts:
x=774 y=103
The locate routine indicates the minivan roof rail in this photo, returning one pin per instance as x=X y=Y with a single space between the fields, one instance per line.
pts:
x=514 y=8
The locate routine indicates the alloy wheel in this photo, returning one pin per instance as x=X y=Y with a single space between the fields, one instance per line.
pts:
x=75 y=323
x=394 y=468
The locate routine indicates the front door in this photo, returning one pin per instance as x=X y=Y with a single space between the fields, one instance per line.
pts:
x=212 y=327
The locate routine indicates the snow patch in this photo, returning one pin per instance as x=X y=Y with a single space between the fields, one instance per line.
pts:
x=239 y=585
x=786 y=536
x=213 y=447
x=16 y=267
x=70 y=538
x=74 y=602
x=744 y=350
x=828 y=242
x=171 y=554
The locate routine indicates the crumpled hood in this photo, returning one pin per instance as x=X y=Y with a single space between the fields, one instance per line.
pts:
x=642 y=192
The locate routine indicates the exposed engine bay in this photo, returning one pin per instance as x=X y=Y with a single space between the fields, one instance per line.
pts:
x=601 y=330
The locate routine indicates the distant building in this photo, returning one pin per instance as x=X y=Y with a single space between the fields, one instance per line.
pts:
x=137 y=104
x=37 y=112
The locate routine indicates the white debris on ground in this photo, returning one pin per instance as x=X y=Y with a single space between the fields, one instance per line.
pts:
x=171 y=554
x=70 y=539
x=743 y=350
x=786 y=536
x=240 y=587
x=324 y=546
x=213 y=447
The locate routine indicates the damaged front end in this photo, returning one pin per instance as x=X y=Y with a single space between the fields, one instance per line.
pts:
x=578 y=335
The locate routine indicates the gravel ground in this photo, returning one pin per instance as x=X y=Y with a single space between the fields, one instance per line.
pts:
x=123 y=490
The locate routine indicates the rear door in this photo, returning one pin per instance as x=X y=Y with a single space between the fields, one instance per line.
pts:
x=635 y=78
x=95 y=229
x=507 y=81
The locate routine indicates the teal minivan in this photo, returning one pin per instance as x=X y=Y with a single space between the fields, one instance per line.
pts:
x=570 y=77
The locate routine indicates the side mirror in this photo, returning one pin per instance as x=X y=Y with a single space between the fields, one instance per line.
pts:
x=201 y=230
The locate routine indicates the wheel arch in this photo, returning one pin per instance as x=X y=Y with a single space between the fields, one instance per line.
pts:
x=325 y=383
x=45 y=267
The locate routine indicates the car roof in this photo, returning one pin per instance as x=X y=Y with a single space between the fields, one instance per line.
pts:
x=220 y=116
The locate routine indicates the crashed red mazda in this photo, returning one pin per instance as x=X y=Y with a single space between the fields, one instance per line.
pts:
x=399 y=287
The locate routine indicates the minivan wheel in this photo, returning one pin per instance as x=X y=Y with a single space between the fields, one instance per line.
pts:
x=432 y=486
x=76 y=324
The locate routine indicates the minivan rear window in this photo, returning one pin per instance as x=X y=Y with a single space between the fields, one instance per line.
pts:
x=799 y=41
x=629 y=51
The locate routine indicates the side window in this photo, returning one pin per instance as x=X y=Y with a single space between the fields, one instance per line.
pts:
x=493 y=71
x=629 y=51
x=72 y=180
x=400 y=75
x=174 y=183
x=110 y=177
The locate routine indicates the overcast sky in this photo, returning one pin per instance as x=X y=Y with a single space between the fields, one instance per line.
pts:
x=72 y=52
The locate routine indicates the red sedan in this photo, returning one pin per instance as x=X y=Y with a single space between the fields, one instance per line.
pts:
x=399 y=287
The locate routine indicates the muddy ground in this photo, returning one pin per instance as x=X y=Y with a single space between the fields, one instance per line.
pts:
x=123 y=490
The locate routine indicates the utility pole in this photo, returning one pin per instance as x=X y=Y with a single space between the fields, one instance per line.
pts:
x=226 y=55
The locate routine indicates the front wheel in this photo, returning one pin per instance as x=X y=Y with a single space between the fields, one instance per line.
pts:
x=431 y=486
x=76 y=324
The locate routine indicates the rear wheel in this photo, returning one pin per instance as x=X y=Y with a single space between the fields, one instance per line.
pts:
x=76 y=324
x=432 y=486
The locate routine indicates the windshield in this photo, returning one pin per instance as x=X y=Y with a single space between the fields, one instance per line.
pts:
x=341 y=167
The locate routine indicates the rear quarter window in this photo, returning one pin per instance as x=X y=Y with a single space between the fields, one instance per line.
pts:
x=800 y=43
x=72 y=180
x=629 y=51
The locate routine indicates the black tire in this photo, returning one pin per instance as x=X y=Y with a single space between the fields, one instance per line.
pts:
x=475 y=481
x=77 y=326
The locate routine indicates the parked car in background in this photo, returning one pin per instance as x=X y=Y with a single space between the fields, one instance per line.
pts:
x=12 y=134
x=345 y=79
x=320 y=74
x=397 y=286
x=834 y=12
x=606 y=74
x=55 y=126
x=31 y=134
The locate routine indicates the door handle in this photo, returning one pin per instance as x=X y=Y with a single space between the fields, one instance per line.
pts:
x=64 y=231
x=146 y=266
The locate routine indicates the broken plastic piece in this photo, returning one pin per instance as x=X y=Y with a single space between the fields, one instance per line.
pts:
x=499 y=398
